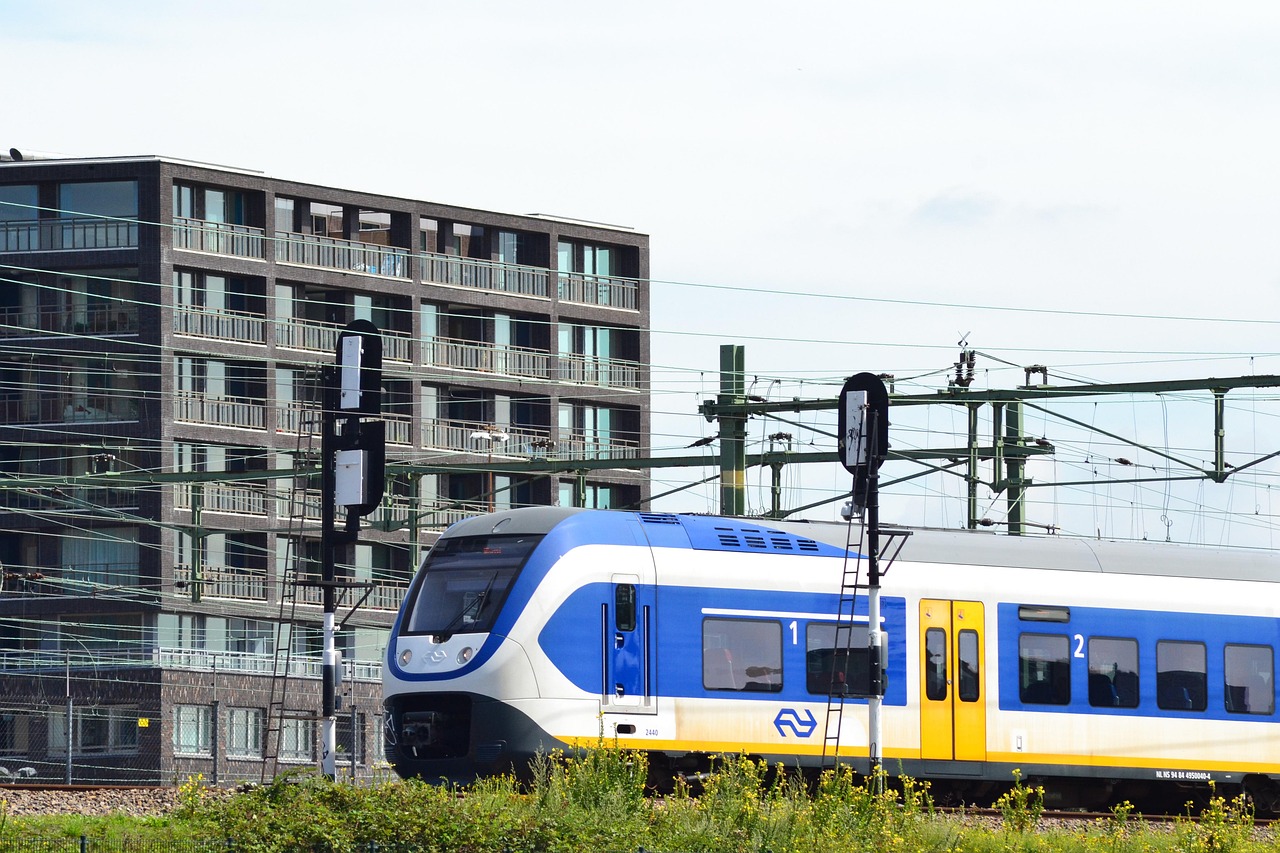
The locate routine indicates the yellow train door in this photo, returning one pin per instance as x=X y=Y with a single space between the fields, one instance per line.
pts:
x=953 y=716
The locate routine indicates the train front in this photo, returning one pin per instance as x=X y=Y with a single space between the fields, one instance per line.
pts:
x=455 y=671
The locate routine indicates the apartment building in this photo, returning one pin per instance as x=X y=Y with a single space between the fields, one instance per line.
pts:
x=162 y=326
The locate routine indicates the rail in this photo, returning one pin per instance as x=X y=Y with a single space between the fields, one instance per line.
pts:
x=312 y=250
x=321 y=337
x=484 y=275
x=219 y=324
x=51 y=235
x=219 y=238
x=198 y=408
x=489 y=358
x=598 y=290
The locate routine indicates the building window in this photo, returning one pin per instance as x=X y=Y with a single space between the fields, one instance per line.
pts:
x=1044 y=669
x=14 y=733
x=1181 y=679
x=105 y=729
x=741 y=654
x=192 y=730
x=244 y=732
x=1249 y=679
x=297 y=740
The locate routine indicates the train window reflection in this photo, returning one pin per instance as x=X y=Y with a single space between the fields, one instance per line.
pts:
x=1044 y=669
x=1180 y=676
x=836 y=659
x=967 y=648
x=1113 y=672
x=935 y=664
x=463 y=583
x=741 y=654
x=1249 y=679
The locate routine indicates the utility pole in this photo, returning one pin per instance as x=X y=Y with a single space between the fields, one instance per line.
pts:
x=864 y=444
x=733 y=432
x=353 y=451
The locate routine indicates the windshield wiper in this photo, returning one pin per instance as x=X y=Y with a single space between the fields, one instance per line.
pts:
x=471 y=608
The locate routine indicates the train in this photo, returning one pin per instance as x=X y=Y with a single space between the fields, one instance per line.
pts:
x=1106 y=670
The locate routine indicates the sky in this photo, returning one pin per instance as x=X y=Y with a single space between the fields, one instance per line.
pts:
x=837 y=186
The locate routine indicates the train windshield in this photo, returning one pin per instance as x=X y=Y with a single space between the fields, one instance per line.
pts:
x=464 y=583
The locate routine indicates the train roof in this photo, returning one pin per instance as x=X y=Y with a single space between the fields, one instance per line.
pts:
x=932 y=545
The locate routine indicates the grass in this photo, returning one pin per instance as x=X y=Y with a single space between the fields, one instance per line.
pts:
x=593 y=799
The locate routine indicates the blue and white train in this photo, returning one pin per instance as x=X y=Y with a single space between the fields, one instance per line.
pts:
x=1111 y=669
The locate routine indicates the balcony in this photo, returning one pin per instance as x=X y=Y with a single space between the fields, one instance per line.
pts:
x=50 y=235
x=318 y=337
x=603 y=372
x=92 y=319
x=55 y=408
x=598 y=290
x=218 y=238
x=575 y=445
x=305 y=420
x=332 y=253
x=230 y=498
x=485 y=275
x=231 y=582
x=488 y=358
x=219 y=324
x=457 y=436
x=194 y=407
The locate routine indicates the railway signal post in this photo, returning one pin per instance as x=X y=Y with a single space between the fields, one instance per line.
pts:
x=864 y=444
x=353 y=458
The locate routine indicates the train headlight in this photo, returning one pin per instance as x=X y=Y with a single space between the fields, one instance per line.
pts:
x=406 y=656
x=465 y=654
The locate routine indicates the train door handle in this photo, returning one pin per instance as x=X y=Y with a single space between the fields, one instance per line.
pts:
x=619 y=690
x=618 y=641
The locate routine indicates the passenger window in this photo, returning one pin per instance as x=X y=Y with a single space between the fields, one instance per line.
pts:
x=624 y=607
x=1044 y=669
x=1180 y=676
x=836 y=662
x=935 y=664
x=1249 y=679
x=741 y=654
x=967 y=647
x=1113 y=672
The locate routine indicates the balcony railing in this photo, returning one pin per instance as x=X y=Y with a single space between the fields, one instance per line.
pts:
x=68 y=497
x=315 y=336
x=55 y=408
x=384 y=595
x=349 y=255
x=457 y=436
x=220 y=238
x=219 y=324
x=306 y=421
x=579 y=446
x=597 y=290
x=92 y=319
x=488 y=358
x=605 y=372
x=194 y=407
x=231 y=498
x=47 y=235
x=227 y=582
x=485 y=275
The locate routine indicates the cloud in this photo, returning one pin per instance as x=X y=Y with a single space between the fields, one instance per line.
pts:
x=958 y=208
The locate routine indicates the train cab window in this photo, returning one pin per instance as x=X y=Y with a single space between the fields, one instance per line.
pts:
x=1248 y=679
x=935 y=666
x=1044 y=669
x=624 y=607
x=463 y=582
x=968 y=689
x=1113 y=672
x=1180 y=676
x=742 y=654
x=836 y=659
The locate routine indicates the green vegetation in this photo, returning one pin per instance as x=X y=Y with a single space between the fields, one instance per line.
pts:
x=594 y=800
